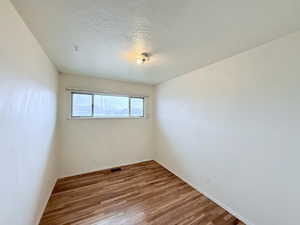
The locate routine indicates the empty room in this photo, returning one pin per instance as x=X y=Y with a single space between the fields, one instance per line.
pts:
x=150 y=112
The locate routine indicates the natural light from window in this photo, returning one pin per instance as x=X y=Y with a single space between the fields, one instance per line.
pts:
x=106 y=106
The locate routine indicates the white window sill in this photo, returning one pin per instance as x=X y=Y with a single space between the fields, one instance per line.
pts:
x=100 y=118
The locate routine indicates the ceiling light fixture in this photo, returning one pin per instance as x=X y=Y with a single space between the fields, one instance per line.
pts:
x=144 y=57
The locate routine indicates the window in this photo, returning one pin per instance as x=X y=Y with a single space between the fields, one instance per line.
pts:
x=111 y=106
x=92 y=105
x=137 y=107
x=82 y=104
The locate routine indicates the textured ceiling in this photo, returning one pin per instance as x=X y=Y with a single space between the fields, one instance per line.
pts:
x=181 y=35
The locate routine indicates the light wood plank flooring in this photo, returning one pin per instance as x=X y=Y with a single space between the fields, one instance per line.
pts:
x=140 y=194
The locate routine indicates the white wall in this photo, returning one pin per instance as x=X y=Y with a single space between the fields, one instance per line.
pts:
x=93 y=144
x=232 y=131
x=229 y=129
x=28 y=83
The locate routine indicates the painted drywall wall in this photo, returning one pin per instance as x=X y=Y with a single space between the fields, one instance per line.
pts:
x=28 y=85
x=93 y=144
x=232 y=131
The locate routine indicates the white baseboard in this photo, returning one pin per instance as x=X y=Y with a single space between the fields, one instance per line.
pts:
x=45 y=203
x=209 y=196
x=233 y=212
x=102 y=168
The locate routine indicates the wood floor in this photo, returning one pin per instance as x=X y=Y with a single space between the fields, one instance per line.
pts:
x=140 y=194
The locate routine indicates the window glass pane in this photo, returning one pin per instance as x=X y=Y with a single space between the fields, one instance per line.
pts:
x=81 y=105
x=111 y=106
x=137 y=107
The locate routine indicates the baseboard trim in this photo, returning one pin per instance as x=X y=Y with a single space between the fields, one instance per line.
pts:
x=210 y=197
x=105 y=170
x=46 y=202
x=82 y=175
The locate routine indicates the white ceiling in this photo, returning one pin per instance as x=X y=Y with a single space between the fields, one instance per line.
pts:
x=182 y=35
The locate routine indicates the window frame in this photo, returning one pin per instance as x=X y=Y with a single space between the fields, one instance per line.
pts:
x=71 y=92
